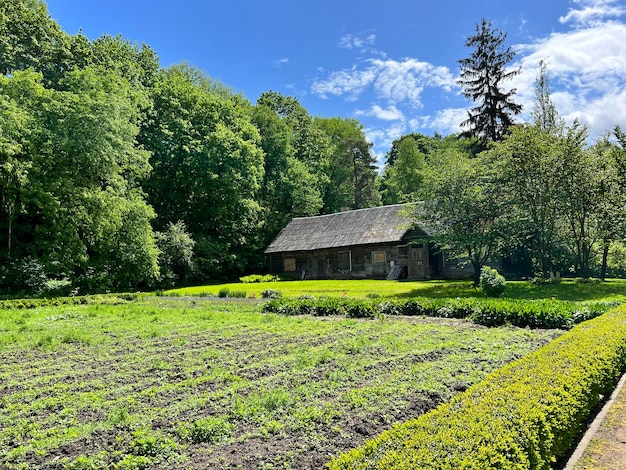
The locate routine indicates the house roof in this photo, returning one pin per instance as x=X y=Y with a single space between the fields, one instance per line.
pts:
x=386 y=224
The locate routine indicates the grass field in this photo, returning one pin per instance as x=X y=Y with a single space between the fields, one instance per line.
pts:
x=195 y=383
x=568 y=289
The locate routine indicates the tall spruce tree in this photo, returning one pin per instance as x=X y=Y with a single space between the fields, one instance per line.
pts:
x=544 y=114
x=482 y=77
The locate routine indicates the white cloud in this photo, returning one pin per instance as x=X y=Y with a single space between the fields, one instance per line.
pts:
x=586 y=66
x=356 y=41
x=345 y=82
x=394 y=81
x=587 y=70
x=383 y=137
x=280 y=62
x=390 y=113
x=592 y=12
x=445 y=121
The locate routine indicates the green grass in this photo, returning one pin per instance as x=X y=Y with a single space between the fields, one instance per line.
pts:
x=195 y=383
x=612 y=289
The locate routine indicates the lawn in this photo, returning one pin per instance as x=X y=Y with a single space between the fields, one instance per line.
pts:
x=568 y=289
x=168 y=382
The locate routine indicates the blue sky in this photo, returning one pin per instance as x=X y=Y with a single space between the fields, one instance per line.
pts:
x=392 y=65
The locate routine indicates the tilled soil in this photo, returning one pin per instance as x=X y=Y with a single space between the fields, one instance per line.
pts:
x=271 y=399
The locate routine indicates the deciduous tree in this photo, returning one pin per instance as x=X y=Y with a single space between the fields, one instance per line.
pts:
x=207 y=168
x=466 y=209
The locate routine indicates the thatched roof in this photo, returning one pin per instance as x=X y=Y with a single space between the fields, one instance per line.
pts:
x=384 y=224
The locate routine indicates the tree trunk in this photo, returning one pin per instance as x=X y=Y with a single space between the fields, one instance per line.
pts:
x=10 y=231
x=605 y=257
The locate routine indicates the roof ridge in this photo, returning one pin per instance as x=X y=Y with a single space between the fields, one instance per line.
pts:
x=355 y=210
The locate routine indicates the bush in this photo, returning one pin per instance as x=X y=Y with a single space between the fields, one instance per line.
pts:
x=234 y=294
x=271 y=294
x=100 y=299
x=526 y=415
x=488 y=312
x=258 y=278
x=23 y=276
x=238 y=294
x=539 y=281
x=491 y=282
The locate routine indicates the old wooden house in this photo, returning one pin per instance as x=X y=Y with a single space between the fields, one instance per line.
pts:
x=380 y=242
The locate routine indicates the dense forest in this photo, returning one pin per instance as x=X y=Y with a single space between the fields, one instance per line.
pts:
x=117 y=173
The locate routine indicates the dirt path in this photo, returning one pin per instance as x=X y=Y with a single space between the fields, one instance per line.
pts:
x=607 y=449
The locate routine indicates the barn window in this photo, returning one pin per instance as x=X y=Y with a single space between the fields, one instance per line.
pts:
x=403 y=251
x=344 y=261
x=379 y=257
x=290 y=264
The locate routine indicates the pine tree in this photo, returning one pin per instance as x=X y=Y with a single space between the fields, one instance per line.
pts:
x=544 y=113
x=482 y=75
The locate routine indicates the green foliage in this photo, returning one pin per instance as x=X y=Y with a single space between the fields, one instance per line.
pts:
x=538 y=281
x=521 y=313
x=225 y=292
x=205 y=430
x=466 y=210
x=200 y=136
x=352 y=168
x=25 y=276
x=492 y=283
x=530 y=176
x=176 y=373
x=271 y=294
x=72 y=196
x=99 y=299
x=259 y=278
x=404 y=171
x=526 y=415
x=175 y=253
x=482 y=77
x=29 y=37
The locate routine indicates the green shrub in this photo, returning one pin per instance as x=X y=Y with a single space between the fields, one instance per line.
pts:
x=271 y=294
x=233 y=294
x=539 y=281
x=104 y=299
x=488 y=312
x=258 y=278
x=23 y=276
x=492 y=283
x=526 y=415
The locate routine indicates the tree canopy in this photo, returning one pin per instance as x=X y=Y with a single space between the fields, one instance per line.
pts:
x=116 y=173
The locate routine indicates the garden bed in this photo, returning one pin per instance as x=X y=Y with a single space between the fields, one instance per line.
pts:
x=180 y=383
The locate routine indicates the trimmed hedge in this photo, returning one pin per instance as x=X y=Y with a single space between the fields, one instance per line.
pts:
x=526 y=415
x=488 y=312
x=109 y=299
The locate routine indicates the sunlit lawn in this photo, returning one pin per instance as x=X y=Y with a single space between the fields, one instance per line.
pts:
x=568 y=289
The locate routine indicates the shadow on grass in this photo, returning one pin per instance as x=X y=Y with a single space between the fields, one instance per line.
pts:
x=612 y=289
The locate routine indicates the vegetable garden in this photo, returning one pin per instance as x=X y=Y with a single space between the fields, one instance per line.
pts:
x=139 y=381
